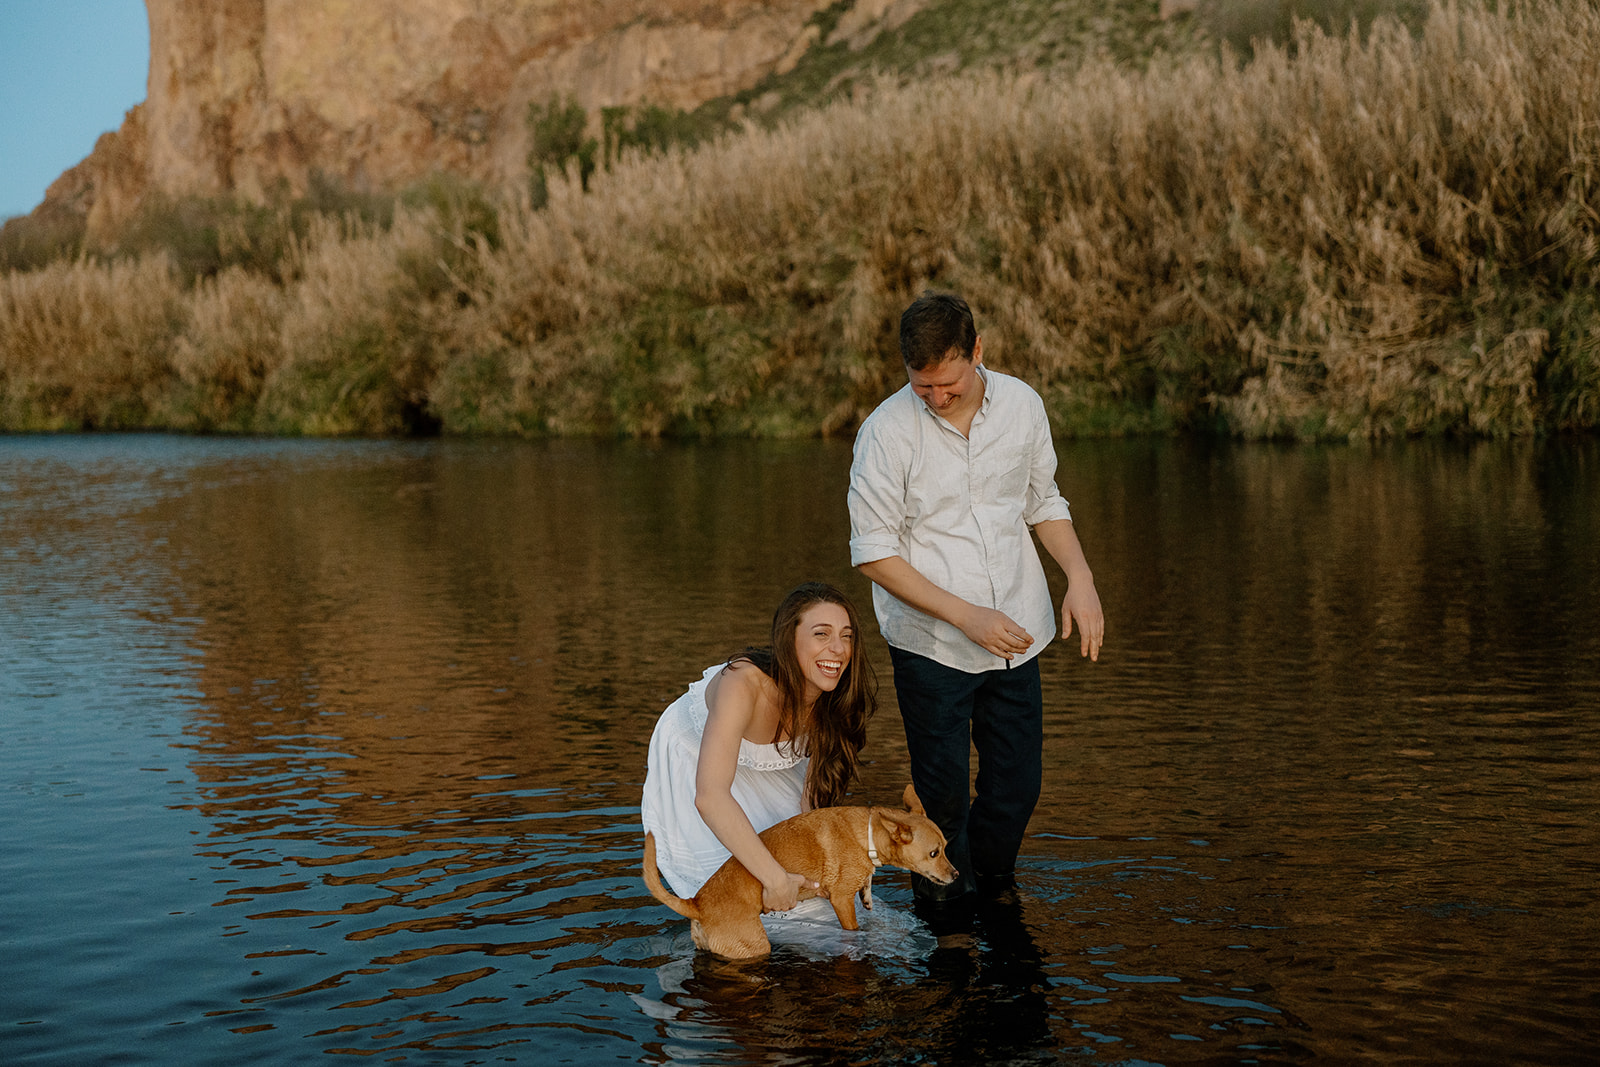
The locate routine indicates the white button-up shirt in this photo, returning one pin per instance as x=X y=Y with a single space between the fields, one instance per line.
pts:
x=958 y=509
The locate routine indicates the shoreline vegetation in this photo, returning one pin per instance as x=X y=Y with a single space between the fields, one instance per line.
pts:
x=1389 y=232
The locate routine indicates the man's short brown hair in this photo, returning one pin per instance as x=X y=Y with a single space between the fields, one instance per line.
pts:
x=935 y=324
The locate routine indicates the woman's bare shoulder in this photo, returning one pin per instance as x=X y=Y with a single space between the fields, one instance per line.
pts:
x=741 y=673
x=740 y=682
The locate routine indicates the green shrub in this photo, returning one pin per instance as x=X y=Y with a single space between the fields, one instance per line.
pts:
x=557 y=140
x=29 y=242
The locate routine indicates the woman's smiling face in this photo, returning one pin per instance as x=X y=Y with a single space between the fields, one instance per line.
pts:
x=823 y=643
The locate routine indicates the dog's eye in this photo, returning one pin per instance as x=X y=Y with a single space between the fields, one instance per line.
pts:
x=932 y=854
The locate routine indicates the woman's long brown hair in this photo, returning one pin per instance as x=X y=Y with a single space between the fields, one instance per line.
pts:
x=836 y=730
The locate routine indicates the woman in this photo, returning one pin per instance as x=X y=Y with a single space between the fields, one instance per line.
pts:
x=770 y=733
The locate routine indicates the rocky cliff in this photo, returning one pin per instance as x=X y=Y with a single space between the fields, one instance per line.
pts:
x=248 y=97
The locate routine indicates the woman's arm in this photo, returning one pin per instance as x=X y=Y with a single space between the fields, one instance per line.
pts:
x=731 y=700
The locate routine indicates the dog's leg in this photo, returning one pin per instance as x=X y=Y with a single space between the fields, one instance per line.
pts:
x=742 y=940
x=844 y=906
x=866 y=893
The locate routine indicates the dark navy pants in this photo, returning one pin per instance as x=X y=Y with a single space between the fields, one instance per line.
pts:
x=947 y=713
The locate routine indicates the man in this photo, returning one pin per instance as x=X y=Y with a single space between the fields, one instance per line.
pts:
x=949 y=475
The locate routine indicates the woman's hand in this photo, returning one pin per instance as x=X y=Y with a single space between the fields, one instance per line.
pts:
x=783 y=895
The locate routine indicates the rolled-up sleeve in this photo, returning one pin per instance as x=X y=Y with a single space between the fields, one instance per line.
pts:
x=957 y=509
x=877 y=499
x=1045 y=501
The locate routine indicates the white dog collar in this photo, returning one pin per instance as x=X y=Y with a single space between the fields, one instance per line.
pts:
x=872 y=850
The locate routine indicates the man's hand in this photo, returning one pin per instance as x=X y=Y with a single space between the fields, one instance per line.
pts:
x=995 y=632
x=1082 y=603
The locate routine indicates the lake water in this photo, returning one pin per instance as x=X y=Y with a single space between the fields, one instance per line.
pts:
x=318 y=748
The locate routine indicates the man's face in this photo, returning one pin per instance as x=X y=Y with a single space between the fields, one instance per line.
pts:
x=950 y=386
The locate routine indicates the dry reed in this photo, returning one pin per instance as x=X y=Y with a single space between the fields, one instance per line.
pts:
x=82 y=344
x=229 y=347
x=1348 y=237
x=1357 y=236
x=356 y=339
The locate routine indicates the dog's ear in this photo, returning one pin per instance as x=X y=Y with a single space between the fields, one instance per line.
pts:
x=912 y=802
x=901 y=831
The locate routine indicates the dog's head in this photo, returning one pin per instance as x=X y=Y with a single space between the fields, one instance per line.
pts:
x=913 y=841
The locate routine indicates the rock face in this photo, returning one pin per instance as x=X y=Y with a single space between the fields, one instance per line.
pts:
x=248 y=97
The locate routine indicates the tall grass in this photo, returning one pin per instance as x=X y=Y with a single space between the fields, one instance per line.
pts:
x=1384 y=233
x=82 y=345
x=1347 y=237
x=357 y=340
x=231 y=345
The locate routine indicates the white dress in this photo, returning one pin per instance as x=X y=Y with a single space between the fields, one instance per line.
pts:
x=768 y=784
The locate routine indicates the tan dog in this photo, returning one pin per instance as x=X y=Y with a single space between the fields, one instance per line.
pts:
x=837 y=848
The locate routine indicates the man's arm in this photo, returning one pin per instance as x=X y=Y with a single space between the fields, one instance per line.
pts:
x=1082 y=602
x=877 y=512
x=993 y=630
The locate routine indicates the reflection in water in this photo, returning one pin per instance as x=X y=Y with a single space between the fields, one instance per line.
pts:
x=336 y=747
x=980 y=998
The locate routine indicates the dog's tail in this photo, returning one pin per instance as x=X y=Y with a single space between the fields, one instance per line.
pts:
x=652 y=881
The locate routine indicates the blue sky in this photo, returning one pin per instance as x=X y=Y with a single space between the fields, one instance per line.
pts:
x=68 y=71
